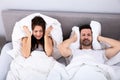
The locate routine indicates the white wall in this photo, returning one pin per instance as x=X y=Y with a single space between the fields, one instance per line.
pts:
x=104 y=6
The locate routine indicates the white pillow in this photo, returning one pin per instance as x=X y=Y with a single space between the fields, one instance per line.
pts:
x=96 y=29
x=56 y=33
x=18 y=32
x=76 y=44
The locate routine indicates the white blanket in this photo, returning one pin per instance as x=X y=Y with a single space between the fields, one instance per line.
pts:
x=86 y=69
x=37 y=67
x=19 y=33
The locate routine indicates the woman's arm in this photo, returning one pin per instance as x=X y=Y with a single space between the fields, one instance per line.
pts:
x=115 y=46
x=26 y=43
x=48 y=42
x=64 y=47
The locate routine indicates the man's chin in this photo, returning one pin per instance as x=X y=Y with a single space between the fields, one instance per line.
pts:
x=87 y=44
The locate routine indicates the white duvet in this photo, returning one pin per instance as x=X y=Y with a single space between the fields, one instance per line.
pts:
x=84 y=67
x=37 y=67
x=40 y=67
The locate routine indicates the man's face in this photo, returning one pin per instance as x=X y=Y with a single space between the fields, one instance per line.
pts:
x=86 y=37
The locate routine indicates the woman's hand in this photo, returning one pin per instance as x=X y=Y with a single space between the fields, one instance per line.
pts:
x=25 y=28
x=48 y=30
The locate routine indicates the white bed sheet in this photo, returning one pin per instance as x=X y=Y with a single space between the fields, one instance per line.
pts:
x=8 y=47
x=5 y=61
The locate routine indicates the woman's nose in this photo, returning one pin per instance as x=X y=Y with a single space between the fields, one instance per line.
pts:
x=38 y=33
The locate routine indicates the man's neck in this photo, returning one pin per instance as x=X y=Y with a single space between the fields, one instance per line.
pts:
x=86 y=47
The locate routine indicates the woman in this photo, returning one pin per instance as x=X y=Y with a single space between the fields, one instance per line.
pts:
x=38 y=65
x=35 y=65
x=39 y=39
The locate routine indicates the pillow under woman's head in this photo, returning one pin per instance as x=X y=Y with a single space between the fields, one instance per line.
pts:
x=96 y=29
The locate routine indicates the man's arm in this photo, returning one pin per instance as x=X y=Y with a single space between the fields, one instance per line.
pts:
x=64 y=47
x=115 y=46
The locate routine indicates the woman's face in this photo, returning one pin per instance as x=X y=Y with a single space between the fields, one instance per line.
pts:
x=37 y=32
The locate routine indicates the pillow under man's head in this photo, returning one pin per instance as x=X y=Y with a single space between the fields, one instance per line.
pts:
x=95 y=28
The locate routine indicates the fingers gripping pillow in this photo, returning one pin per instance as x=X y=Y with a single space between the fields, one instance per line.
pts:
x=96 y=29
x=76 y=44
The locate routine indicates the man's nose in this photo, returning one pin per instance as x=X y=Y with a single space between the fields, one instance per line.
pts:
x=86 y=37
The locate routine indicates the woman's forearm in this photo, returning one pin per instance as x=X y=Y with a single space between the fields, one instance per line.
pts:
x=26 y=46
x=48 y=45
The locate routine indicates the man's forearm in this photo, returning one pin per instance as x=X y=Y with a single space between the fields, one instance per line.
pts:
x=111 y=42
x=115 y=46
x=64 y=47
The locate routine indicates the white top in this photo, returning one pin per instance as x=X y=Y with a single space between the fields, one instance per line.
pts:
x=88 y=55
x=40 y=48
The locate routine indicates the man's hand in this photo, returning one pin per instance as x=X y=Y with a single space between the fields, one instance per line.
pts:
x=74 y=37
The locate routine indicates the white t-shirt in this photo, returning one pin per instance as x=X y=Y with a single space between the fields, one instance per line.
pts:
x=88 y=55
x=40 y=48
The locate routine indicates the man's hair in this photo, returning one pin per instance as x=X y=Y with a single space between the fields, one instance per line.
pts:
x=86 y=26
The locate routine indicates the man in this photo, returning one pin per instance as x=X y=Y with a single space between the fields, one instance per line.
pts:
x=86 y=43
x=86 y=54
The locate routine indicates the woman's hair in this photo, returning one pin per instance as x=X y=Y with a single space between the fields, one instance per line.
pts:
x=37 y=21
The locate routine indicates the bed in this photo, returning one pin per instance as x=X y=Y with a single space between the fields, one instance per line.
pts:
x=110 y=23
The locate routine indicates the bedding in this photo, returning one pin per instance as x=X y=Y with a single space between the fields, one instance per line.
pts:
x=96 y=29
x=61 y=69
x=5 y=61
x=76 y=44
x=82 y=64
x=18 y=32
x=109 y=26
x=37 y=67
